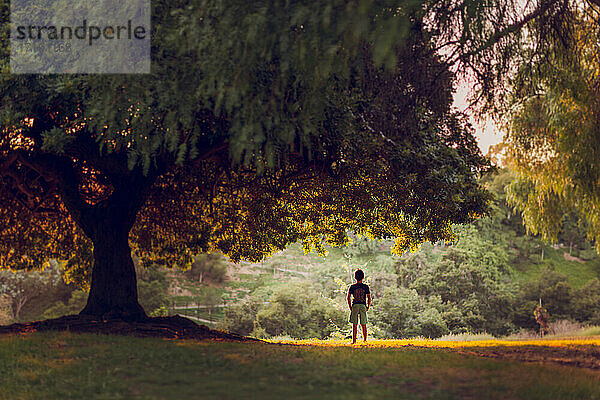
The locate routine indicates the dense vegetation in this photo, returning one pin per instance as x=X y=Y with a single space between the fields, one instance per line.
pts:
x=489 y=280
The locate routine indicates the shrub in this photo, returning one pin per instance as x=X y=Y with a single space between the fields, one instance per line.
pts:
x=587 y=255
x=299 y=311
x=5 y=311
x=431 y=323
x=152 y=295
x=585 y=303
x=75 y=304
x=160 y=312
x=240 y=318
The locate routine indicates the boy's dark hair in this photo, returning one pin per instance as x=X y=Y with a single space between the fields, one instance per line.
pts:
x=359 y=275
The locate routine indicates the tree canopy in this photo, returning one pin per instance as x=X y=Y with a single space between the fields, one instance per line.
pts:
x=260 y=125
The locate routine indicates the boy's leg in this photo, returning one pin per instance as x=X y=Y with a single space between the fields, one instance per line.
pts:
x=363 y=320
x=354 y=333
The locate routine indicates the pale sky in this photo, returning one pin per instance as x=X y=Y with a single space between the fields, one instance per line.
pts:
x=486 y=132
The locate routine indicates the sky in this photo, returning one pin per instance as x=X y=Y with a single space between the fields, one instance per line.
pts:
x=486 y=132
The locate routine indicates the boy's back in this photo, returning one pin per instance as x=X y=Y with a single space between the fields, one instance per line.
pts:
x=359 y=293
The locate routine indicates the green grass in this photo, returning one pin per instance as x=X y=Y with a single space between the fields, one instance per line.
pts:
x=63 y=365
x=577 y=273
x=216 y=315
x=589 y=331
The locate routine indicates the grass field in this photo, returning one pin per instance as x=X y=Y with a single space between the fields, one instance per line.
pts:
x=578 y=273
x=74 y=366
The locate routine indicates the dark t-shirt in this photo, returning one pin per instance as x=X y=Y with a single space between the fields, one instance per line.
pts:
x=359 y=293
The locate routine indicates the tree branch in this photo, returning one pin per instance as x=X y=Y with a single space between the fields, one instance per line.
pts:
x=498 y=35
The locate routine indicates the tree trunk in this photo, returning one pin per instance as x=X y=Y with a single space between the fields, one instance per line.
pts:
x=113 y=291
x=18 y=306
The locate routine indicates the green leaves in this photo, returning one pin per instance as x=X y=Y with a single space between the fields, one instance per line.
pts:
x=266 y=123
x=553 y=134
x=55 y=140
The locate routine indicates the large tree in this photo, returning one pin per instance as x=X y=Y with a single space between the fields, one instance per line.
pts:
x=261 y=124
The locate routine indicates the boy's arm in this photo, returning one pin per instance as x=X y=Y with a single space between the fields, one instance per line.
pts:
x=349 y=300
x=368 y=301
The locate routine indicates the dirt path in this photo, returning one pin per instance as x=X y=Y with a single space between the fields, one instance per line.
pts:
x=205 y=321
x=583 y=356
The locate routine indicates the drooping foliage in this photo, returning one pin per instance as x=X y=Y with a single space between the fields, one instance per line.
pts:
x=553 y=135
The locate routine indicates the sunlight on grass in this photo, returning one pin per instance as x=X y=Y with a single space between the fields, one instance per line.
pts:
x=448 y=344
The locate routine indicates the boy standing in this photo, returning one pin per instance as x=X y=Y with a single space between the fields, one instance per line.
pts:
x=359 y=305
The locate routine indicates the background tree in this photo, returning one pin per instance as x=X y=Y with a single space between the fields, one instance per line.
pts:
x=553 y=135
x=235 y=144
x=240 y=318
x=400 y=312
x=210 y=298
x=21 y=287
x=212 y=267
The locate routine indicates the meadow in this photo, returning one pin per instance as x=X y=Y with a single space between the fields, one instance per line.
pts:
x=65 y=365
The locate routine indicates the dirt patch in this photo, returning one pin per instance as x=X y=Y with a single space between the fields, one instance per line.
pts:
x=583 y=356
x=175 y=327
x=569 y=257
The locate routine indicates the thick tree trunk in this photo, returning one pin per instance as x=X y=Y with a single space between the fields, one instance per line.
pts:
x=113 y=291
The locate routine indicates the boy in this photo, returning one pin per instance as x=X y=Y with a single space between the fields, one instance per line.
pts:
x=359 y=305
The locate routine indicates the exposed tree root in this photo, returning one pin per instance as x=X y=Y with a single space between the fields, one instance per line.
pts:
x=175 y=327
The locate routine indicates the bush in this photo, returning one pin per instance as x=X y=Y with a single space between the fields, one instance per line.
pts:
x=585 y=303
x=152 y=288
x=297 y=310
x=396 y=312
x=160 y=312
x=240 y=318
x=5 y=311
x=152 y=295
x=431 y=323
x=75 y=304
x=587 y=255
x=575 y=252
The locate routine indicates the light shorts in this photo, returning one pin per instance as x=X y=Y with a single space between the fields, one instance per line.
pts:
x=358 y=310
